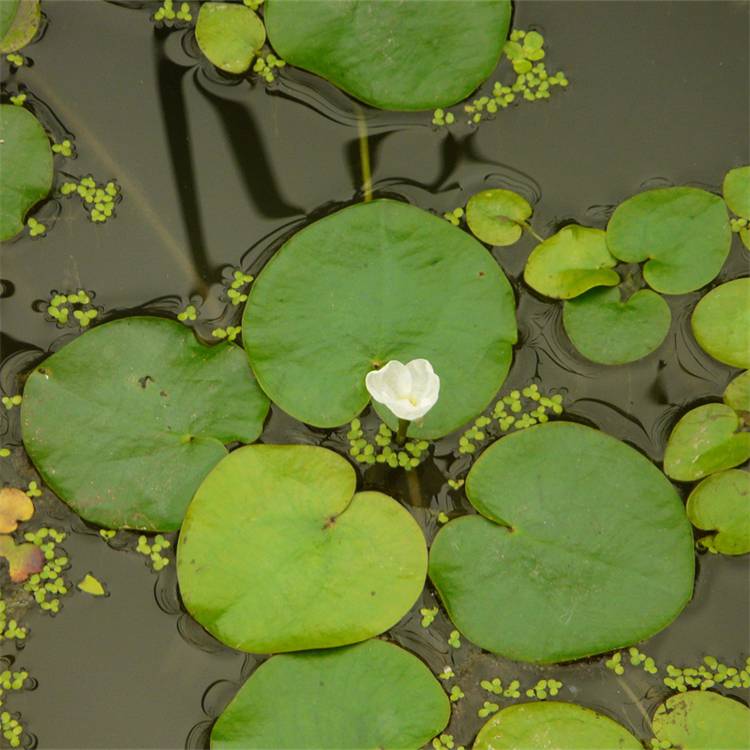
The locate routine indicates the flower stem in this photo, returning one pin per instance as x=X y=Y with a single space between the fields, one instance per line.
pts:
x=364 y=155
x=403 y=426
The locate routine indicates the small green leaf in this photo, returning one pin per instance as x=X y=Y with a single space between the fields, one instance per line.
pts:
x=682 y=233
x=26 y=175
x=706 y=440
x=702 y=720
x=737 y=393
x=721 y=323
x=736 y=191
x=608 y=330
x=571 y=262
x=372 y=695
x=23 y=24
x=90 y=585
x=229 y=35
x=497 y=216
x=721 y=503
x=532 y=726
x=23 y=559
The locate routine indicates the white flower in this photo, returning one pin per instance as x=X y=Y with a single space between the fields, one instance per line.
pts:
x=409 y=390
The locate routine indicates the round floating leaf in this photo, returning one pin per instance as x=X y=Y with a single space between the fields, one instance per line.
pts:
x=15 y=506
x=229 y=35
x=19 y=22
x=702 y=720
x=23 y=559
x=371 y=283
x=497 y=216
x=721 y=323
x=532 y=726
x=737 y=191
x=407 y=56
x=682 y=233
x=721 y=503
x=737 y=393
x=125 y=421
x=707 y=439
x=610 y=331
x=571 y=262
x=372 y=695
x=582 y=546
x=278 y=553
x=26 y=176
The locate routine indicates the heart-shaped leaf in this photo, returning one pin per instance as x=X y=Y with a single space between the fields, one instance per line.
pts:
x=736 y=190
x=682 y=233
x=570 y=262
x=406 y=56
x=278 y=552
x=23 y=559
x=721 y=323
x=372 y=695
x=706 y=440
x=125 y=421
x=229 y=35
x=737 y=393
x=582 y=546
x=497 y=216
x=608 y=330
x=391 y=282
x=702 y=720
x=15 y=506
x=532 y=726
x=19 y=22
x=26 y=176
x=721 y=503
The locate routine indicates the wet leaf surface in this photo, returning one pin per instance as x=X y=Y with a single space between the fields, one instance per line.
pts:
x=229 y=35
x=497 y=216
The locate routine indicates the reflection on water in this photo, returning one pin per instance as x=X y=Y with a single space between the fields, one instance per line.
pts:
x=218 y=172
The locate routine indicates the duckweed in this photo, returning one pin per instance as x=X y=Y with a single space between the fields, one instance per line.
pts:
x=10 y=401
x=153 y=551
x=11 y=727
x=9 y=628
x=48 y=585
x=107 y=534
x=487 y=709
x=34 y=490
x=615 y=663
x=492 y=686
x=456 y=694
x=544 y=688
x=428 y=616
x=235 y=291
x=443 y=517
x=166 y=12
x=19 y=100
x=513 y=690
x=99 y=199
x=15 y=59
x=441 y=118
x=36 y=228
x=60 y=305
x=230 y=333
x=64 y=149
x=382 y=448
x=447 y=673
x=4 y=452
x=454 y=216
x=265 y=66
x=711 y=673
x=443 y=742
x=187 y=313
x=454 y=639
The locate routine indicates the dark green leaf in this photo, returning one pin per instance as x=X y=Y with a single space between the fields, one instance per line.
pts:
x=736 y=191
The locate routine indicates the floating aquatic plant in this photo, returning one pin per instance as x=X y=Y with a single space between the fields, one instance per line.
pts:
x=19 y=23
x=229 y=35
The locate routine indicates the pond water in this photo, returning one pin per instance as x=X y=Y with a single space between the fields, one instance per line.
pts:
x=217 y=172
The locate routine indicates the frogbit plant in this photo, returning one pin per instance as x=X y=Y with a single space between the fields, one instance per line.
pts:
x=409 y=390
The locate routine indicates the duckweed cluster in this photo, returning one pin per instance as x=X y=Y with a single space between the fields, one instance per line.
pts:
x=230 y=333
x=64 y=149
x=738 y=224
x=73 y=308
x=710 y=673
x=488 y=708
x=10 y=726
x=19 y=99
x=638 y=658
x=454 y=639
x=99 y=199
x=382 y=449
x=440 y=117
x=48 y=585
x=15 y=59
x=9 y=628
x=517 y=410
x=166 y=12
x=187 y=313
x=153 y=551
x=4 y=452
x=11 y=401
x=445 y=742
x=447 y=673
x=235 y=292
x=428 y=616
x=544 y=688
x=35 y=227
x=456 y=694
x=265 y=66
x=454 y=216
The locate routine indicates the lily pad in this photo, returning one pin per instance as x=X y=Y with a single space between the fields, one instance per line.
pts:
x=552 y=724
x=702 y=720
x=125 y=421
x=405 y=56
x=571 y=262
x=608 y=330
x=372 y=695
x=229 y=35
x=26 y=176
x=279 y=552
x=24 y=559
x=15 y=506
x=737 y=393
x=581 y=546
x=736 y=191
x=721 y=503
x=706 y=440
x=387 y=281
x=721 y=323
x=19 y=22
x=497 y=216
x=682 y=233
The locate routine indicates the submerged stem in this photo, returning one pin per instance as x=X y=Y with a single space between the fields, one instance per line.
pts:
x=364 y=156
x=415 y=489
x=637 y=702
